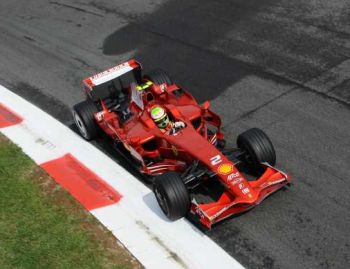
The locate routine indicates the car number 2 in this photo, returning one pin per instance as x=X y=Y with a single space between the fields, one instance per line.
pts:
x=215 y=160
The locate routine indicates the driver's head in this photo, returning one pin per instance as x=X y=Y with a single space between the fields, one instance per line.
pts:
x=160 y=117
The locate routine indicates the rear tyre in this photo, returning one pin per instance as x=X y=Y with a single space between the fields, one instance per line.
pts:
x=172 y=195
x=83 y=114
x=158 y=76
x=258 y=147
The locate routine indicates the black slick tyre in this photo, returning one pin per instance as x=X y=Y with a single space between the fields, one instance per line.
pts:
x=172 y=195
x=158 y=76
x=258 y=147
x=83 y=114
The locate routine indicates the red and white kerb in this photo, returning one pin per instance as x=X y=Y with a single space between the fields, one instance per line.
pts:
x=83 y=184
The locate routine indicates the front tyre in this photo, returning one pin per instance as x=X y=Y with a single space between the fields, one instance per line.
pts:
x=258 y=147
x=172 y=195
x=83 y=114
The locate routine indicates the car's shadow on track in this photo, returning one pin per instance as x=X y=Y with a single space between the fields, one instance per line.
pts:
x=180 y=41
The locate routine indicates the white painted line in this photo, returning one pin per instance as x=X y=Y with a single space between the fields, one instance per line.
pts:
x=136 y=220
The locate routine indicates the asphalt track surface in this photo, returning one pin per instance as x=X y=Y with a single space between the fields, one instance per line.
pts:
x=282 y=66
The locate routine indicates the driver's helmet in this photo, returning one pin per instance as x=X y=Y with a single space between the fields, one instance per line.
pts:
x=160 y=117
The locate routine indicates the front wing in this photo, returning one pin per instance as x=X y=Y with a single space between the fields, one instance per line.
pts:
x=227 y=205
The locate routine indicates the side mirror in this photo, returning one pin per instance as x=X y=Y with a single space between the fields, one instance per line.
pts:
x=206 y=105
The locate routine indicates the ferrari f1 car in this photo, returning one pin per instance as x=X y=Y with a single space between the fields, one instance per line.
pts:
x=182 y=163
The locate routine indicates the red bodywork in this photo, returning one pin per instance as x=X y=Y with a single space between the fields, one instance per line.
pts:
x=164 y=152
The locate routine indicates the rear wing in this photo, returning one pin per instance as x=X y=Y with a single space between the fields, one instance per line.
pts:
x=118 y=77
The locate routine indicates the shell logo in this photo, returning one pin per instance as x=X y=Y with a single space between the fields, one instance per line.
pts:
x=225 y=169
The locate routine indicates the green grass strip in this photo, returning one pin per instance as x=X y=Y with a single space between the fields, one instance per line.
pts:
x=41 y=226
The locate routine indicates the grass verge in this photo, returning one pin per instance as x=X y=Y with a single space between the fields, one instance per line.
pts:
x=42 y=226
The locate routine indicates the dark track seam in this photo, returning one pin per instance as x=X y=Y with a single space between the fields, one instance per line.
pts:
x=300 y=87
x=338 y=85
x=250 y=112
x=325 y=96
x=130 y=18
x=76 y=8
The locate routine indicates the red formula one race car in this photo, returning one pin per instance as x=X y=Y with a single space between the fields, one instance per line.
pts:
x=178 y=144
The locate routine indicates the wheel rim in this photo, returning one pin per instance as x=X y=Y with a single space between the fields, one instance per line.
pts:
x=162 y=201
x=80 y=125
